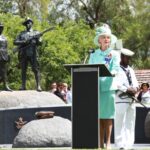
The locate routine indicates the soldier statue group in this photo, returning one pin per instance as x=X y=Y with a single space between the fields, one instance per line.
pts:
x=27 y=42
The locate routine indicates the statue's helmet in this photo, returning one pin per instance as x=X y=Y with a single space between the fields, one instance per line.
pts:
x=27 y=20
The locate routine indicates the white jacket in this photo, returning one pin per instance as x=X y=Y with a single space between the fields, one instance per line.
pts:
x=123 y=84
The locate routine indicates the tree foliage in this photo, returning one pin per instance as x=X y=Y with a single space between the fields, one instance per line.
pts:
x=65 y=45
x=23 y=8
x=136 y=35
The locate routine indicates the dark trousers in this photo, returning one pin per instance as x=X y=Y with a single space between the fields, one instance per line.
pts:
x=3 y=72
x=35 y=68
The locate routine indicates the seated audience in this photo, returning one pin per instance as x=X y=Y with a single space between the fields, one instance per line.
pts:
x=144 y=95
x=60 y=92
x=53 y=87
x=68 y=93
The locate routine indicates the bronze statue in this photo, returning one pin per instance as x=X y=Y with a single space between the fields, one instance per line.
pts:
x=3 y=59
x=27 y=42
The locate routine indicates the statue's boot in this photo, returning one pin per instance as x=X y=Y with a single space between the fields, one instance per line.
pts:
x=23 y=77
x=22 y=88
x=6 y=87
x=39 y=88
x=37 y=78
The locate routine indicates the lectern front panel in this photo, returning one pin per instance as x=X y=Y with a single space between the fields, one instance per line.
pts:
x=85 y=108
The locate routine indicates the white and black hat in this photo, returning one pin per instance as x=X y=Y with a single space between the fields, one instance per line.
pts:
x=126 y=52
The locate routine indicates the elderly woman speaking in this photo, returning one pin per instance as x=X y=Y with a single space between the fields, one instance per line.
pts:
x=104 y=39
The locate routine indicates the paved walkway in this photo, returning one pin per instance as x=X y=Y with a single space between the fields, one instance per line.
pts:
x=8 y=147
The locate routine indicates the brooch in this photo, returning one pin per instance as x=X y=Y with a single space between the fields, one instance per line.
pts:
x=108 y=58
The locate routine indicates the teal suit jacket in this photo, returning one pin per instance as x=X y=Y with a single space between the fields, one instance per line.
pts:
x=111 y=59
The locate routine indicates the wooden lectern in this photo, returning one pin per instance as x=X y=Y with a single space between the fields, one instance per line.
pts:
x=85 y=124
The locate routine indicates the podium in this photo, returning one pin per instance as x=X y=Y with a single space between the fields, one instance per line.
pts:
x=85 y=87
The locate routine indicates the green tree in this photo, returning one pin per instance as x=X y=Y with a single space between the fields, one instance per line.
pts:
x=23 y=8
x=136 y=35
x=5 y=6
x=32 y=8
x=93 y=12
x=65 y=45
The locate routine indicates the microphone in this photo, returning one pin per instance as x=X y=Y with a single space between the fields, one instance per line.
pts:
x=92 y=50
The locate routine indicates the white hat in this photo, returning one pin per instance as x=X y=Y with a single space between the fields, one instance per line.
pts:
x=104 y=30
x=126 y=52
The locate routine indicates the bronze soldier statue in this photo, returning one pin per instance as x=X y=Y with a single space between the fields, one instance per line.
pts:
x=3 y=59
x=27 y=44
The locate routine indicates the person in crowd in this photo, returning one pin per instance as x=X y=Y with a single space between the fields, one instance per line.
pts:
x=104 y=39
x=60 y=92
x=4 y=58
x=65 y=87
x=125 y=109
x=144 y=95
x=27 y=52
x=68 y=93
x=53 y=87
x=69 y=97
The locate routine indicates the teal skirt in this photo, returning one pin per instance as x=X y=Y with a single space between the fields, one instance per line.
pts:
x=106 y=105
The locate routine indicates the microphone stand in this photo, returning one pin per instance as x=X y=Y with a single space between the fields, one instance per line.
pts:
x=85 y=59
x=89 y=52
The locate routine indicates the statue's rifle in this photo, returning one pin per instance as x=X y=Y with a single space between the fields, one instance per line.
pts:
x=36 y=36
